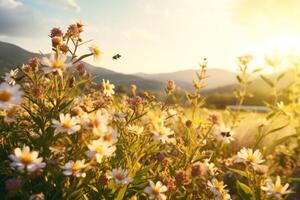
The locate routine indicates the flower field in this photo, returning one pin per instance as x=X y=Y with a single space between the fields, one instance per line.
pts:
x=63 y=136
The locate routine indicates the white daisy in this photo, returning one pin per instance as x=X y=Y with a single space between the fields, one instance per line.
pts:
x=218 y=188
x=99 y=149
x=155 y=191
x=95 y=51
x=108 y=88
x=66 y=124
x=74 y=168
x=10 y=95
x=277 y=189
x=135 y=129
x=10 y=77
x=248 y=156
x=110 y=136
x=26 y=160
x=95 y=121
x=162 y=133
x=55 y=63
x=120 y=176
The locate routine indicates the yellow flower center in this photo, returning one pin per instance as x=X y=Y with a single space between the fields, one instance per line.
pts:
x=96 y=51
x=278 y=188
x=57 y=64
x=66 y=124
x=107 y=137
x=161 y=133
x=155 y=191
x=76 y=167
x=251 y=158
x=100 y=150
x=5 y=96
x=26 y=158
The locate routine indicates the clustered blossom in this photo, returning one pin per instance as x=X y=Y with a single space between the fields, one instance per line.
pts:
x=62 y=132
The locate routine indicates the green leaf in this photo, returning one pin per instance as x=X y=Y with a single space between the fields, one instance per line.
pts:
x=280 y=76
x=244 y=191
x=239 y=79
x=267 y=80
x=280 y=141
x=240 y=172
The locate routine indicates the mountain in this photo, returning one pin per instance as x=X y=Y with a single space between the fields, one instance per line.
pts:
x=215 y=78
x=12 y=56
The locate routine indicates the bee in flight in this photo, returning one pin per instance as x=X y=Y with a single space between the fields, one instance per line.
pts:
x=116 y=57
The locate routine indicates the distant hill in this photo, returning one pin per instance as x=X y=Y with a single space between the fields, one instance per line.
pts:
x=215 y=78
x=12 y=56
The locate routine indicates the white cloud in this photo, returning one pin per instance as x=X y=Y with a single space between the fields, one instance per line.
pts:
x=71 y=4
x=10 y=3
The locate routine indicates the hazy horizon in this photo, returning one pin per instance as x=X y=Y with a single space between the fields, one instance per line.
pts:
x=158 y=37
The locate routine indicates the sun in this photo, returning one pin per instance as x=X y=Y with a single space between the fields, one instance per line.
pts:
x=281 y=48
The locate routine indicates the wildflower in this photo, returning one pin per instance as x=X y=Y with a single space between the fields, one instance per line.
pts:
x=39 y=196
x=10 y=77
x=170 y=86
x=56 y=32
x=135 y=129
x=95 y=51
x=13 y=184
x=223 y=133
x=120 y=176
x=134 y=102
x=66 y=124
x=110 y=136
x=55 y=63
x=26 y=68
x=57 y=41
x=96 y=121
x=277 y=189
x=162 y=133
x=104 y=179
x=198 y=169
x=156 y=190
x=34 y=63
x=74 y=168
x=210 y=167
x=182 y=177
x=218 y=188
x=24 y=159
x=73 y=30
x=108 y=88
x=9 y=95
x=133 y=89
x=248 y=156
x=100 y=149
x=215 y=118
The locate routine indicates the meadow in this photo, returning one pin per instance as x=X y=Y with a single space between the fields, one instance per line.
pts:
x=63 y=136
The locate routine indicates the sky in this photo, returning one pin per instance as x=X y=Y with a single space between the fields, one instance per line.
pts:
x=155 y=36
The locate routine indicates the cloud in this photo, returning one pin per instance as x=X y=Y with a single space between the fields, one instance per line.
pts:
x=71 y=4
x=19 y=21
x=9 y=4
